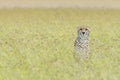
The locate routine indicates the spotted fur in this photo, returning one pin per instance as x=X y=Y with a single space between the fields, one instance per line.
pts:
x=82 y=43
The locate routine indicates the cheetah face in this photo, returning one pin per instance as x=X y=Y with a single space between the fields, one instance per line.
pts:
x=83 y=32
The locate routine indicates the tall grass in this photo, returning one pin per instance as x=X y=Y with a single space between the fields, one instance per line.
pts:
x=37 y=44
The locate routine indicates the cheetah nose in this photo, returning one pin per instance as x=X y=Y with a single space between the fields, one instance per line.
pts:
x=83 y=32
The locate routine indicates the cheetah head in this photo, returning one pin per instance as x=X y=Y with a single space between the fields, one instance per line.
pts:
x=83 y=32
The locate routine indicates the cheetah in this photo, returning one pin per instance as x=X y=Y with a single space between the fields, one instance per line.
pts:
x=81 y=43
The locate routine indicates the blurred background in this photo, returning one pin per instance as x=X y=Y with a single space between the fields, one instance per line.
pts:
x=60 y=3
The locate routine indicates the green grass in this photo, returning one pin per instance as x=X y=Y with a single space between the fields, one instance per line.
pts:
x=37 y=44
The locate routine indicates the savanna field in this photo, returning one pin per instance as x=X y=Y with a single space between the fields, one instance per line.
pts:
x=38 y=44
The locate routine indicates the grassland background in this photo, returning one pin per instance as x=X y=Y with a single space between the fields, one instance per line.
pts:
x=37 y=44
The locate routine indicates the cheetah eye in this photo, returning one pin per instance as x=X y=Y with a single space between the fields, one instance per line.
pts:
x=86 y=29
x=80 y=28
